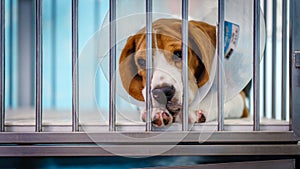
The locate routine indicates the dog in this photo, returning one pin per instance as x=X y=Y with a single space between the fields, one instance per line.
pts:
x=166 y=83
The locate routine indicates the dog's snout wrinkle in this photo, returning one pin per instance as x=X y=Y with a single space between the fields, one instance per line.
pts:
x=163 y=94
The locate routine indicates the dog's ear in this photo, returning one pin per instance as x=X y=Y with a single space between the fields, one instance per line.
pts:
x=131 y=80
x=202 y=39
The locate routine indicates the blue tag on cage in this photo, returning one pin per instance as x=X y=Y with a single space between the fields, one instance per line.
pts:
x=231 y=35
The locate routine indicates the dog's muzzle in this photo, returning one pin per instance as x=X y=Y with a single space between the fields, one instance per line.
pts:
x=164 y=95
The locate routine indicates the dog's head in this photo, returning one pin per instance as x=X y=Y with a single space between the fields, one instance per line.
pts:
x=166 y=83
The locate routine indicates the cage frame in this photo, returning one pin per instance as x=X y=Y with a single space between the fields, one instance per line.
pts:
x=78 y=143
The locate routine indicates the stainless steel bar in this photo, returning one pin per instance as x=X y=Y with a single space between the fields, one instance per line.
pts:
x=148 y=64
x=185 y=109
x=265 y=62
x=291 y=49
x=112 y=68
x=149 y=150
x=162 y=137
x=39 y=66
x=102 y=127
x=274 y=58
x=75 y=65
x=284 y=60
x=256 y=66
x=220 y=61
x=10 y=100
x=2 y=65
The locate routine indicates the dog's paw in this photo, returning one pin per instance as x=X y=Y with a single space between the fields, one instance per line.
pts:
x=197 y=116
x=200 y=116
x=159 y=117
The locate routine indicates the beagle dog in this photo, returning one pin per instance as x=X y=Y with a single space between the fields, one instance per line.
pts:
x=166 y=84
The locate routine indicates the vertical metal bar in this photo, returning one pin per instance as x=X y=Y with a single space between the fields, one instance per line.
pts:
x=2 y=64
x=75 y=101
x=284 y=59
x=11 y=53
x=148 y=63
x=112 y=68
x=265 y=62
x=274 y=54
x=220 y=59
x=39 y=61
x=185 y=117
x=256 y=65
x=291 y=49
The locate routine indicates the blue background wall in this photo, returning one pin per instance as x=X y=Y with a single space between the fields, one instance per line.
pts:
x=57 y=59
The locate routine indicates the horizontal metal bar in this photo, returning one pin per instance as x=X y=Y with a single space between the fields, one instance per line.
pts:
x=144 y=138
x=146 y=150
x=141 y=127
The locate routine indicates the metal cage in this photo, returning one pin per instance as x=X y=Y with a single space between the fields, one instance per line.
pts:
x=72 y=141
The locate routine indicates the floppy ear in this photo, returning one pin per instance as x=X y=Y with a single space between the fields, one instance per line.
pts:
x=202 y=39
x=131 y=80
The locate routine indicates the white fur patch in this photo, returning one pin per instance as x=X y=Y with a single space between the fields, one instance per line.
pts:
x=166 y=74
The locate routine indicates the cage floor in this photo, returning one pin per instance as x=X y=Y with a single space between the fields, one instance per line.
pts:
x=23 y=120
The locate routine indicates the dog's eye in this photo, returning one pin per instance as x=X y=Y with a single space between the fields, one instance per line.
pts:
x=142 y=63
x=177 y=55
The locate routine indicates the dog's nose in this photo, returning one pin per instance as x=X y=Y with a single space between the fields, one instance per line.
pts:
x=163 y=94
